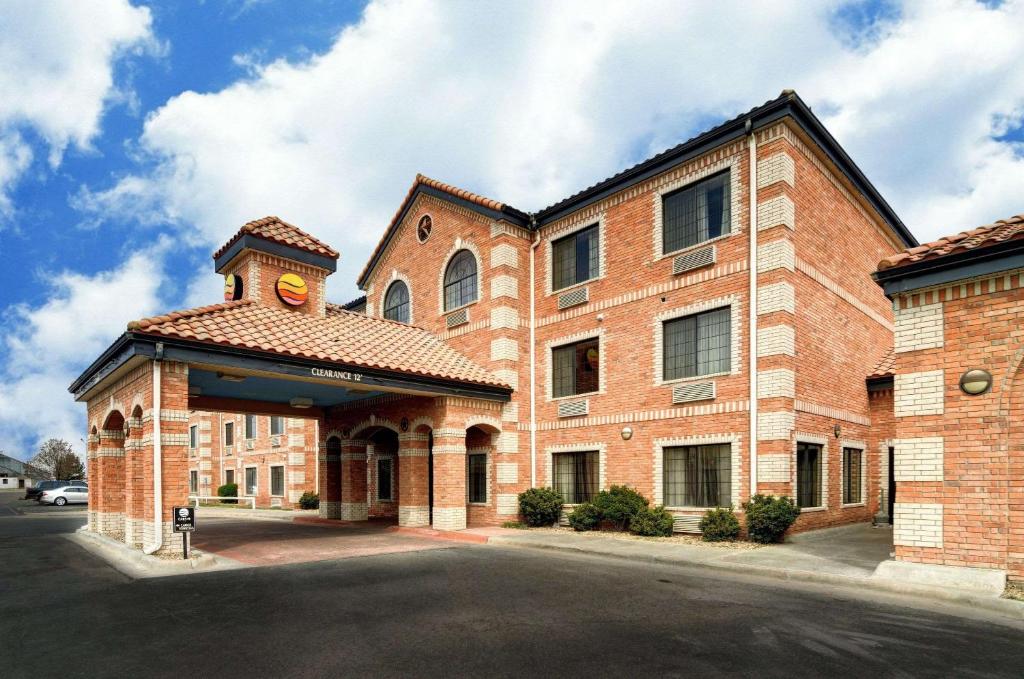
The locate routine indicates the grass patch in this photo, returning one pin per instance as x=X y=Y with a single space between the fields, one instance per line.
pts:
x=514 y=524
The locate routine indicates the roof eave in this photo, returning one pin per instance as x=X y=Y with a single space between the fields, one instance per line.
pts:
x=946 y=269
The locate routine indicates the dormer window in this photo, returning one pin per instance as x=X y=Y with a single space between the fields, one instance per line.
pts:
x=460 y=281
x=396 y=302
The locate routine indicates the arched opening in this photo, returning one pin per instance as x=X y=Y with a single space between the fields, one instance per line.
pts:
x=111 y=471
x=460 y=280
x=382 y=467
x=396 y=302
x=1015 y=472
x=480 y=477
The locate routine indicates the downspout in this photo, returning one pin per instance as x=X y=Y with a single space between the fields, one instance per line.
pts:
x=752 y=304
x=533 y=356
x=158 y=489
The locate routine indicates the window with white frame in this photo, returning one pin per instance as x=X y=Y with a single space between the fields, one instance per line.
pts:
x=229 y=476
x=460 y=286
x=384 y=467
x=698 y=476
x=193 y=481
x=277 y=481
x=193 y=436
x=808 y=474
x=575 y=258
x=276 y=425
x=396 y=302
x=250 y=480
x=229 y=433
x=695 y=345
x=575 y=475
x=476 y=469
x=575 y=368
x=250 y=427
x=696 y=213
x=852 y=476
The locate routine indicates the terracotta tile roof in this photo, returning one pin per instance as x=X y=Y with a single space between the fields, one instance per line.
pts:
x=886 y=367
x=422 y=180
x=279 y=231
x=346 y=337
x=975 y=239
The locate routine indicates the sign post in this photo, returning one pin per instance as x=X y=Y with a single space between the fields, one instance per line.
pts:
x=184 y=521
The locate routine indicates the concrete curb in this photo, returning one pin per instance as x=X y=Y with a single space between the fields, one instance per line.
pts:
x=1007 y=607
x=136 y=565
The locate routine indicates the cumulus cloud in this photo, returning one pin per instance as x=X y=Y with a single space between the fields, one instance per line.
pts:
x=46 y=346
x=57 y=74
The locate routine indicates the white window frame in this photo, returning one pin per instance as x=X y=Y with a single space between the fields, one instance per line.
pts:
x=245 y=426
x=735 y=442
x=735 y=337
x=860 y=446
x=224 y=434
x=549 y=356
x=193 y=474
x=284 y=480
x=602 y=461
x=245 y=485
x=193 y=436
x=736 y=226
x=822 y=441
x=397 y=276
x=459 y=245
x=577 y=224
x=284 y=425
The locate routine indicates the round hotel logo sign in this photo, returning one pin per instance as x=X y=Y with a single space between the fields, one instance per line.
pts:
x=232 y=287
x=292 y=289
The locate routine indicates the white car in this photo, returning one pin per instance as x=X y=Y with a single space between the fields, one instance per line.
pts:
x=65 y=495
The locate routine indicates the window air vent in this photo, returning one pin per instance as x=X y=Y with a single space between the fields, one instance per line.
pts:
x=693 y=260
x=573 y=298
x=275 y=441
x=694 y=391
x=275 y=502
x=460 y=317
x=573 y=408
x=250 y=444
x=685 y=524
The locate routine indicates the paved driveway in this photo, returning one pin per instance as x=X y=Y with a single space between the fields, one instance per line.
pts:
x=271 y=542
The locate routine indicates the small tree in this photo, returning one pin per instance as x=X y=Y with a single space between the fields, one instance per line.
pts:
x=230 y=492
x=769 y=517
x=59 y=461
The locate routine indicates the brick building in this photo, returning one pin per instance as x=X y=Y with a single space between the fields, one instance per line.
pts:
x=956 y=391
x=698 y=326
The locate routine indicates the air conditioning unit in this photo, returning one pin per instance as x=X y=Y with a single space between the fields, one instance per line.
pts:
x=573 y=298
x=686 y=524
x=573 y=408
x=457 y=318
x=693 y=260
x=693 y=391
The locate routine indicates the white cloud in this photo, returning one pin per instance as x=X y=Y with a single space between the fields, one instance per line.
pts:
x=57 y=74
x=47 y=346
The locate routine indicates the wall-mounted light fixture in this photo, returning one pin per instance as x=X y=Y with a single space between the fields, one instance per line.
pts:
x=837 y=430
x=975 y=382
x=627 y=433
x=227 y=377
x=301 y=402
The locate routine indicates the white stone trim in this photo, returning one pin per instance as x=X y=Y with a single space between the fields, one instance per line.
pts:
x=504 y=255
x=449 y=518
x=776 y=297
x=507 y=472
x=776 y=254
x=735 y=336
x=777 y=383
x=862 y=447
x=397 y=276
x=567 y=230
x=919 y=393
x=775 y=425
x=735 y=442
x=504 y=285
x=504 y=349
x=460 y=244
x=804 y=437
x=917 y=524
x=548 y=358
x=919 y=327
x=736 y=194
x=919 y=459
x=776 y=340
x=778 y=167
x=602 y=459
x=777 y=211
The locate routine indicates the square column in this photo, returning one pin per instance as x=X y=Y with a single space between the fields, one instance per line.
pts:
x=413 y=479
x=354 y=506
x=449 y=479
x=330 y=478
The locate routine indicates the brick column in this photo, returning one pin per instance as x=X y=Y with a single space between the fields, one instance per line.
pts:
x=413 y=477
x=92 y=474
x=174 y=454
x=354 y=506
x=110 y=467
x=449 y=478
x=330 y=478
x=134 y=488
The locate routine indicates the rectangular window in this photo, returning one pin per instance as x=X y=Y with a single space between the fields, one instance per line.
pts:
x=851 y=476
x=695 y=213
x=193 y=436
x=229 y=476
x=477 y=470
x=229 y=433
x=575 y=475
x=808 y=475
x=575 y=368
x=250 y=480
x=384 y=478
x=698 y=476
x=277 y=481
x=575 y=258
x=193 y=481
x=276 y=426
x=697 y=345
x=250 y=427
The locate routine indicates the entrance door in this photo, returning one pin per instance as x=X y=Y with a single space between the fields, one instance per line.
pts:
x=892 y=483
x=430 y=478
x=21 y=483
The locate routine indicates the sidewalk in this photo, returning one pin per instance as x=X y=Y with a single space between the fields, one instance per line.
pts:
x=849 y=556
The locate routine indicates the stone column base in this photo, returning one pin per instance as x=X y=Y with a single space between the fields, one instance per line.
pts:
x=450 y=518
x=413 y=516
x=330 y=510
x=133 y=533
x=172 y=540
x=354 y=511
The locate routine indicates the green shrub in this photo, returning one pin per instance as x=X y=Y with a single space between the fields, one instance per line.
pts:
x=651 y=521
x=585 y=517
x=513 y=524
x=540 y=506
x=619 y=504
x=769 y=517
x=719 y=524
x=228 y=490
x=309 y=500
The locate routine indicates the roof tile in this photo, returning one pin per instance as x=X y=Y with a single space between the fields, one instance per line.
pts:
x=885 y=367
x=974 y=239
x=279 y=231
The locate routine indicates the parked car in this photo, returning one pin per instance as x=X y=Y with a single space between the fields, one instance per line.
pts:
x=37 y=490
x=65 y=495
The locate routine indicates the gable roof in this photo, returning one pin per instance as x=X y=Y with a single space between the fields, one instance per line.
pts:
x=278 y=231
x=344 y=337
x=976 y=239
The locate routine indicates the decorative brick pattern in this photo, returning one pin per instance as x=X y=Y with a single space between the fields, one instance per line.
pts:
x=504 y=349
x=507 y=504
x=776 y=297
x=917 y=524
x=775 y=426
x=504 y=286
x=919 y=327
x=776 y=254
x=504 y=255
x=777 y=211
x=504 y=317
x=777 y=168
x=507 y=472
x=449 y=518
x=919 y=459
x=918 y=393
x=776 y=383
x=773 y=468
x=776 y=340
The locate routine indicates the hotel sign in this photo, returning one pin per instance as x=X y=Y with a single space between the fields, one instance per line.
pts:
x=336 y=374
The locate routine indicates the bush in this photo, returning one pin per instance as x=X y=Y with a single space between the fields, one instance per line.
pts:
x=652 y=522
x=719 y=524
x=309 y=500
x=585 y=517
x=769 y=517
x=619 y=504
x=540 y=506
x=228 y=490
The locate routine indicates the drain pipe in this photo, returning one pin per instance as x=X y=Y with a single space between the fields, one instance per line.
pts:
x=752 y=303
x=158 y=509
x=533 y=356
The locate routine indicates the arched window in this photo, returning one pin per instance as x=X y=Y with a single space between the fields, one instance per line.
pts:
x=396 y=302
x=460 y=280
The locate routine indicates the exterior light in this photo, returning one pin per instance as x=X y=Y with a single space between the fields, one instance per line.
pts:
x=230 y=378
x=301 y=402
x=627 y=433
x=837 y=430
x=975 y=382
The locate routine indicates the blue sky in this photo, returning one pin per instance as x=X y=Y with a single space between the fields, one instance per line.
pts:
x=135 y=137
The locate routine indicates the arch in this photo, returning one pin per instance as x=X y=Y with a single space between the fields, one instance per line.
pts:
x=463 y=273
x=421 y=423
x=373 y=422
x=1011 y=420
x=113 y=421
x=490 y=424
x=396 y=303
